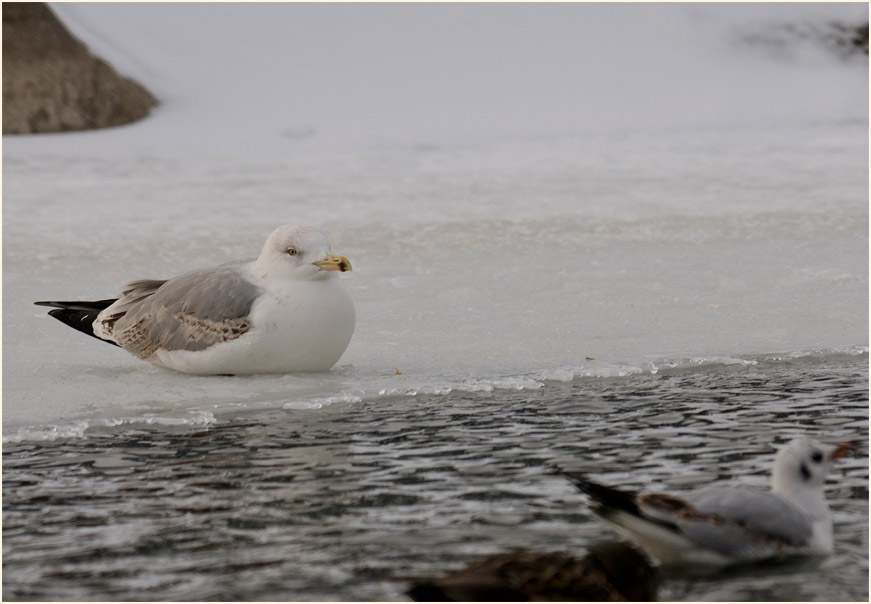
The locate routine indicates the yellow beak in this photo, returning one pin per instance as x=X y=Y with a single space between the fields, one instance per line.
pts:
x=333 y=263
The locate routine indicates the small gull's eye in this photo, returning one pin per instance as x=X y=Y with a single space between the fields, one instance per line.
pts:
x=291 y=251
x=816 y=457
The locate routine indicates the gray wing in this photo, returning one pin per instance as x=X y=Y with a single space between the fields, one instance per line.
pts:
x=190 y=312
x=737 y=521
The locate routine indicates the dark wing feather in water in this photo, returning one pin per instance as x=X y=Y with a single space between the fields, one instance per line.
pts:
x=612 y=571
x=190 y=312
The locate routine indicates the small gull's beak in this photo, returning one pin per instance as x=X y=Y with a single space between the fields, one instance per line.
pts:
x=841 y=450
x=333 y=263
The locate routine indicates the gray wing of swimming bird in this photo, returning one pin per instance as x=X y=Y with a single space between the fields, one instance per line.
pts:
x=744 y=523
x=190 y=312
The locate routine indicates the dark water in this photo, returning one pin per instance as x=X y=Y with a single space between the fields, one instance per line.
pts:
x=329 y=504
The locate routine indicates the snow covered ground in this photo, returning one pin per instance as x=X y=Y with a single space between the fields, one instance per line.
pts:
x=526 y=192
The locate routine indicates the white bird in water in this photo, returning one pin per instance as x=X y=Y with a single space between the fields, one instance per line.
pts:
x=284 y=312
x=722 y=525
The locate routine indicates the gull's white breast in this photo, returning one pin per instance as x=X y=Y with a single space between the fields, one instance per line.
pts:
x=297 y=326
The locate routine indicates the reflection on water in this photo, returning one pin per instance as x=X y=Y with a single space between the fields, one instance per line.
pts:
x=329 y=504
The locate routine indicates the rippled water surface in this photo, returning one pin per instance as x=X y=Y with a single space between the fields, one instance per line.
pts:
x=331 y=503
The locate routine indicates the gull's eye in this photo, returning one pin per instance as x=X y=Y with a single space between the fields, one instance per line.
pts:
x=292 y=251
x=816 y=457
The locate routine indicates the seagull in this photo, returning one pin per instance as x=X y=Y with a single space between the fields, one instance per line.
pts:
x=724 y=525
x=283 y=312
x=612 y=571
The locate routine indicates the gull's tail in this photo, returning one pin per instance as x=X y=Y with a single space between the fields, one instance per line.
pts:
x=79 y=315
x=606 y=498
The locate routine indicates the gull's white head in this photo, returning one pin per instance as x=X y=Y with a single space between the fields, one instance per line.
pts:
x=298 y=252
x=803 y=464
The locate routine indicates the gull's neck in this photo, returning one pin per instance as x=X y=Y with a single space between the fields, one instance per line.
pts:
x=810 y=498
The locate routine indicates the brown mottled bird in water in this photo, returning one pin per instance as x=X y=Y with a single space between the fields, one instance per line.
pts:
x=612 y=571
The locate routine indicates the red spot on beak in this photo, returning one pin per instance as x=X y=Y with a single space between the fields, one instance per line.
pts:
x=842 y=450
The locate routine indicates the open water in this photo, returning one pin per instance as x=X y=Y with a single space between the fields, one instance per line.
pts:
x=331 y=503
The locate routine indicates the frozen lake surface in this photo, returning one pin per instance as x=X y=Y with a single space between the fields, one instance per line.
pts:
x=472 y=266
x=591 y=224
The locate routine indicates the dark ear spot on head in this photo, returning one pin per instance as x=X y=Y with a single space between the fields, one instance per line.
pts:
x=805 y=473
x=816 y=457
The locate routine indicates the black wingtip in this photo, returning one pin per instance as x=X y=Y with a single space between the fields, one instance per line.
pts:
x=606 y=497
x=78 y=315
x=78 y=304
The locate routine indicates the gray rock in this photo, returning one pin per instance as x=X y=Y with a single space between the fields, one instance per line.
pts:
x=52 y=83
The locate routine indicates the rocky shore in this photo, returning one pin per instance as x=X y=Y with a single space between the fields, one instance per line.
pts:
x=52 y=83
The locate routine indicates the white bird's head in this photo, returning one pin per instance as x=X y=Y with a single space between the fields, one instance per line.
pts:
x=301 y=253
x=804 y=463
